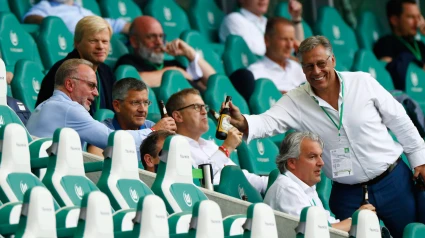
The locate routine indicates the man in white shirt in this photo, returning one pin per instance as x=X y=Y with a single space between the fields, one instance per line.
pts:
x=351 y=112
x=277 y=64
x=300 y=163
x=250 y=24
x=190 y=114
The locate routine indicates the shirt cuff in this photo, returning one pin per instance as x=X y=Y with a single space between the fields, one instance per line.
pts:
x=218 y=161
x=251 y=120
x=416 y=158
x=194 y=69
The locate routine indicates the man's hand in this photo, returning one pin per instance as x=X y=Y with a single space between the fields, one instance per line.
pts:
x=167 y=124
x=368 y=207
x=234 y=138
x=184 y=72
x=236 y=118
x=295 y=9
x=178 y=47
x=419 y=170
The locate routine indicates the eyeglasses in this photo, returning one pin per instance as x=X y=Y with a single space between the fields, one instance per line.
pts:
x=320 y=64
x=136 y=103
x=197 y=107
x=91 y=85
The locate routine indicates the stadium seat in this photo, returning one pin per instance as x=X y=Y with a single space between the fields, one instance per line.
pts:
x=234 y=183
x=368 y=30
x=365 y=224
x=90 y=5
x=259 y=156
x=125 y=9
x=103 y=114
x=260 y=222
x=415 y=84
x=324 y=188
x=174 y=182
x=125 y=71
x=171 y=16
x=198 y=42
x=116 y=50
x=233 y=225
x=414 y=230
x=54 y=41
x=26 y=82
x=38 y=149
x=206 y=17
x=236 y=54
x=38 y=216
x=172 y=82
x=8 y=116
x=366 y=61
x=341 y=36
x=96 y=216
x=151 y=218
x=218 y=87
x=272 y=177
x=282 y=11
x=3 y=84
x=313 y=223
x=206 y=220
x=20 y=8
x=120 y=175
x=4 y=6
x=179 y=222
x=15 y=42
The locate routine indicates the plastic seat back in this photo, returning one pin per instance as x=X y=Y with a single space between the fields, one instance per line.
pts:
x=206 y=220
x=8 y=116
x=171 y=16
x=54 y=41
x=26 y=82
x=272 y=177
x=116 y=50
x=414 y=230
x=20 y=8
x=236 y=54
x=65 y=176
x=365 y=224
x=90 y=5
x=366 y=61
x=234 y=183
x=38 y=149
x=324 y=188
x=151 y=218
x=260 y=221
x=37 y=215
x=341 y=36
x=95 y=216
x=206 y=17
x=4 y=6
x=174 y=181
x=313 y=223
x=179 y=222
x=368 y=30
x=415 y=84
x=259 y=156
x=15 y=42
x=120 y=175
x=125 y=9
x=172 y=82
x=233 y=225
x=103 y=114
x=282 y=11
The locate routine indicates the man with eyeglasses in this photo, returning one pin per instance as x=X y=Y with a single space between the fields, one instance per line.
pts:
x=148 y=42
x=351 y=112
x=131 y=104
x=190 y=114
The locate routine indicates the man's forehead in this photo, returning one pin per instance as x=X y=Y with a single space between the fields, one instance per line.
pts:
x=137 y=93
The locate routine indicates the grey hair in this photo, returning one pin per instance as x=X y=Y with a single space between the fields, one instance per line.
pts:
x=313 y=42
x=121 y=87
x=291 y=147
x=69 y=68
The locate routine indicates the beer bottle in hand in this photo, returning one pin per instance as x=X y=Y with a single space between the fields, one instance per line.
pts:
x=215 y=114
x=365 y=196
x=223 y=124
x=162 y=110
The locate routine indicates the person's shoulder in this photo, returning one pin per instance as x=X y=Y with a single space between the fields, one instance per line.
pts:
x=385 y=40
x=42 y=4
x=108 y=122
x=234 y=16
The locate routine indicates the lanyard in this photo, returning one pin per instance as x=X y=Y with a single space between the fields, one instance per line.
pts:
x=416 y=51
x=99 y=89
x=156 y=66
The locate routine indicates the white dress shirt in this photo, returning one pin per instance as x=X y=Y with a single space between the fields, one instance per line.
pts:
x=290 y=195
x=207 y=152
x=368 y=110
x=247 y=25
x=285 y=79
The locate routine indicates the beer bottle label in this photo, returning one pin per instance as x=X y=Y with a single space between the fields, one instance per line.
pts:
x=224 y=123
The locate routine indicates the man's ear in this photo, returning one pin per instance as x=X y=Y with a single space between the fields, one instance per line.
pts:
x=69 y=85
x=148 y=160
x=116 y=105
x=267 y=40
x=291 y=163
x=394 y=20
x=177 y=116
x=134 y=42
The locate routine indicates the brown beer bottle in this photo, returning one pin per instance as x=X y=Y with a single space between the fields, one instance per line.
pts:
x=223 y=124
x=162 y=109
x=365 y=196
x=215 y=114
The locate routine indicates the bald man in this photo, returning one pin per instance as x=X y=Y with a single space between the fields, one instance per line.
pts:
x=148 y=42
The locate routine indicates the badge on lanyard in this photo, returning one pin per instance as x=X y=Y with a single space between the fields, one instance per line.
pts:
x=341 y=163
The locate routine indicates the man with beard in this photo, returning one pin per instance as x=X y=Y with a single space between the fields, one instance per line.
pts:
x=148 y=42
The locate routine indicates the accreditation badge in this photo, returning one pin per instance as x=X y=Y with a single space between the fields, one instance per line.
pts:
x=342 y=165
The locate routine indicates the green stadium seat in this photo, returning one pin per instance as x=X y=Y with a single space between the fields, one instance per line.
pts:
x=90 y=5
x=414 y=230
x=233 y=225
x=174 y=181
x=366 y=61
x=172 y=82
x=236 y=54
x=272 y=177
x=103 y=114
x=38 y=149
x=341 y=36
x=178 y=222
x=234 y=183
x=365 y=223
x=260 y=222
x=15 y=42
x=54 y=41
x=206 y=17
x=206 y=220
x=4 y=6
x=125 y=9
x=282 y=11
x=415 y=84
x=313 y=223
x=120 y=175
x=198 y=42
x=26 y=82
x=218 y=87
x=9 y=91
x=20 y=8
x=8 y=116
x=323 y=189
x=116 y=50
x=368 y=30
x=258 y=156
x=171 y=16
x=125 y=71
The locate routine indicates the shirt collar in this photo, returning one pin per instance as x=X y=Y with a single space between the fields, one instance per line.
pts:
x=198 y=143
x=320 y=101
x=307 y=189
x=59 y=93
x=118 y=127
x=273 y=64
x=252 y=17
